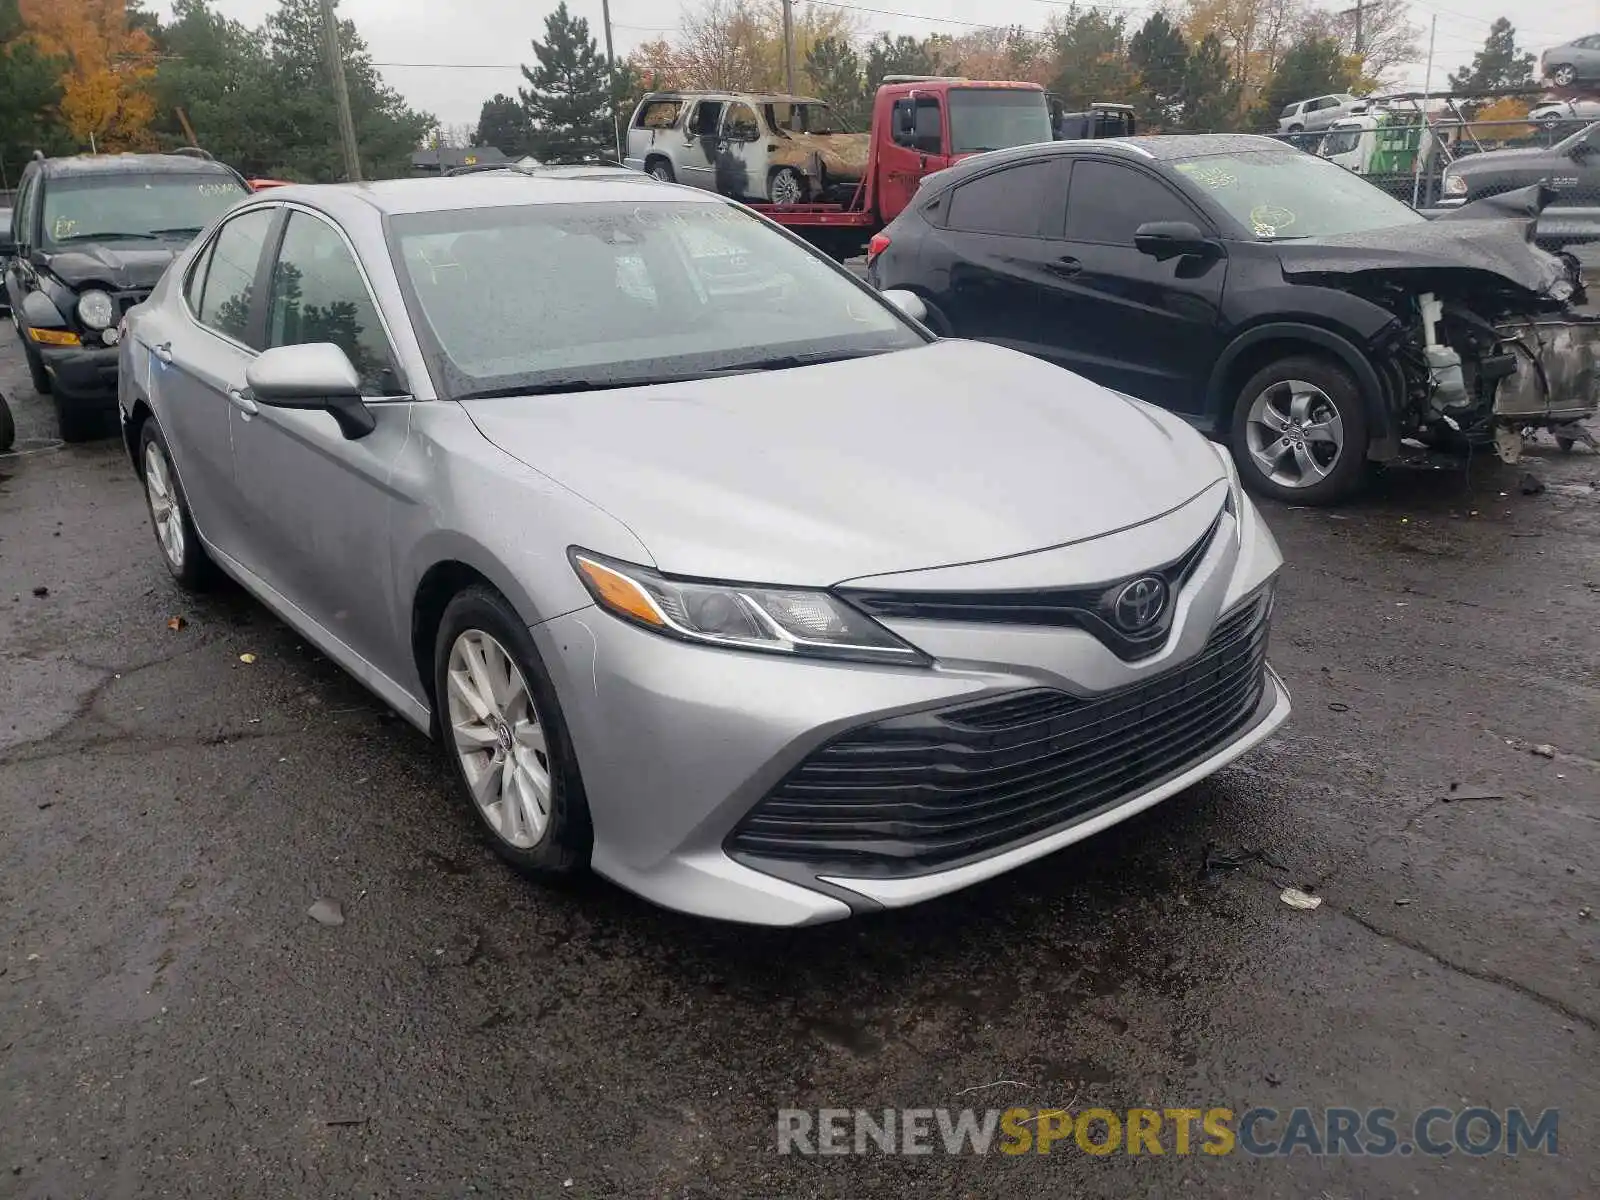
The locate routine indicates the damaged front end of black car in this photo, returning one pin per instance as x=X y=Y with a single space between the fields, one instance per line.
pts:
x=1490 y=339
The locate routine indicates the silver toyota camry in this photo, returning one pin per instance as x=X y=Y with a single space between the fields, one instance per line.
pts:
x=730 y=582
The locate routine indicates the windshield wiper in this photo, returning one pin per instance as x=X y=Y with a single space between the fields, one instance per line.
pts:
x=785 y=362
x=556 y=386
x=178 y=231
x=553 y=387
x=103 y=236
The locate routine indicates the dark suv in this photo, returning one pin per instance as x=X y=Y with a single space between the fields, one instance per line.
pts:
x=1282 y=304
x=89 y=237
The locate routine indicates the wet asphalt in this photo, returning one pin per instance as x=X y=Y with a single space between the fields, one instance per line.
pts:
x=172 y=1023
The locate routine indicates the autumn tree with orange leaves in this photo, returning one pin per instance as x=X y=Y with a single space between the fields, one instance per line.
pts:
x=105 y=89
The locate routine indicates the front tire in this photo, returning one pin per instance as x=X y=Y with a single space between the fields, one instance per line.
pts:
x=186 y=559
x=503 y=728
x=36 y=372
x=8 y=426
x=1299 y=431
x=74 y=424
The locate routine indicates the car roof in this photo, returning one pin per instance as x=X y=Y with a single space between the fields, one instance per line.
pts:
x=133 y=164
x=1160 y=148
x=754 y=97
x=490 y=189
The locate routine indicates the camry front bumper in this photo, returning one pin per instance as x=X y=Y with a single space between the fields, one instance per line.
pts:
x=679 y=744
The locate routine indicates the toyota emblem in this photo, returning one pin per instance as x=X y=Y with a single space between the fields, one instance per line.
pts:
x=1139 y=603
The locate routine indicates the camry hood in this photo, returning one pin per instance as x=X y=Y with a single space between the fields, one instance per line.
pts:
x=957 y=452
x=121 y=267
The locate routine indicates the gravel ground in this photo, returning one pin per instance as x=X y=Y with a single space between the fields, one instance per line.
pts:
x=172 y=1023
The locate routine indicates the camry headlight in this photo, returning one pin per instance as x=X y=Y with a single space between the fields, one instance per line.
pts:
x=739 y=616
x=1453 y=185
x=1235 y=501
x=95 y=310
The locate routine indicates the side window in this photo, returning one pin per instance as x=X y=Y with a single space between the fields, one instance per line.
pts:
x=27 y=206
x=658 y=114
x=1108 y=201
x=919 y=125
x=195 y=288
x=318 y=295
x=740 y=124
x=707 y=114
x=226 y=295
x=1010 y=201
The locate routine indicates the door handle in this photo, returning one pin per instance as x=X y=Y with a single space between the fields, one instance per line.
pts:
x=1065 y=265
x=242 y=402
x=163 y=351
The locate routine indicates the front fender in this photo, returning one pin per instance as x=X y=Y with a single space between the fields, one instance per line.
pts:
x=40 y=312
x=1382 y=421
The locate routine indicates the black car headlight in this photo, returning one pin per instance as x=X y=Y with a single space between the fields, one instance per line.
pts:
x=740 y=616
x=96 y=310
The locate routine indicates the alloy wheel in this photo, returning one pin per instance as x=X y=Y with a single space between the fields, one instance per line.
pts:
x=1294 y=434
x=786 y=188
x=499 y=739
x=662 y=172
x=166 y=509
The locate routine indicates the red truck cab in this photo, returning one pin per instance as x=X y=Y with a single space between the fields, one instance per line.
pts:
x=919 y=125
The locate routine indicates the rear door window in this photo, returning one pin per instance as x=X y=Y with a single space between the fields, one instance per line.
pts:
x=228 y=296
x=659 y=114
x=1013 y=201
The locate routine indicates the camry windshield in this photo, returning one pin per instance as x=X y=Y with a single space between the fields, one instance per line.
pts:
x=565 y=297
x=996 y=119
x=1289 y=194
x=87 y=208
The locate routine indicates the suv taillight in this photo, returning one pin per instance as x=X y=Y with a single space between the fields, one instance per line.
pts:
x=878 y=244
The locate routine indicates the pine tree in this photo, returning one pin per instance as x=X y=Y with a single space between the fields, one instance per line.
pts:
x=834 y=70
x=504 y=124
x=1210 y=92
x=1497 y=65
x=568 y=96
x=1161 y=56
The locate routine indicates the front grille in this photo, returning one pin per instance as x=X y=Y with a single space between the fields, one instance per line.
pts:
x=932 y=789
x=1088 y=608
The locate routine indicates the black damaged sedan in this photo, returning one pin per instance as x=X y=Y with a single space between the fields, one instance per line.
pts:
x=1280 y=303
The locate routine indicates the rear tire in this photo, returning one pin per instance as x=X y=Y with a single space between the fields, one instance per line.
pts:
x=8 y=427
x=786 y=186
x=1299 y=431
x=503 y=729
x=1564 y=444
x=660 y=168
x=1563 y=75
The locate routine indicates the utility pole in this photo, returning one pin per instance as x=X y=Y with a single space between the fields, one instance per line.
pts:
x=788 y=45
x=611 y=78
x=1427 y=125
x=341 y=94
x=1355 y=12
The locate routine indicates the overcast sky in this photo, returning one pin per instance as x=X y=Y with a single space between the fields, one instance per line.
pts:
x=448 y=58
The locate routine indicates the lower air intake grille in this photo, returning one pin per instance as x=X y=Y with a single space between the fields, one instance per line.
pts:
x=931 y=789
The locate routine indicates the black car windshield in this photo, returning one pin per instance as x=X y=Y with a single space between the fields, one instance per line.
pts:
x=80 y=208
x=1583 y=137
x=541 y=296
x=997 y=119
x=1287 y=193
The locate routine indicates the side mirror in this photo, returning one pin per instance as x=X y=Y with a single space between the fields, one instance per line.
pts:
x=908 y=303
x=316 y=376
x=1162 y=240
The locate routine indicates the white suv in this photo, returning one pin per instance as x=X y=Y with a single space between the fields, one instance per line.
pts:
x=1319 y=113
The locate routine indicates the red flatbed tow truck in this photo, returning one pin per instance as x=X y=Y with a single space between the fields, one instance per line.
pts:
x=920 y=124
